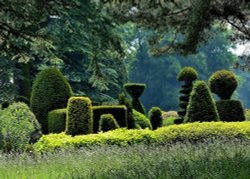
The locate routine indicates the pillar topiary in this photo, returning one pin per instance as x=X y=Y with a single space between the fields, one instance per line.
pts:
x=187 y=75
x=135 y=90
x=79 y=116
x=50 y=91
x=201 y=105
x=223 y=83
x=155 y=117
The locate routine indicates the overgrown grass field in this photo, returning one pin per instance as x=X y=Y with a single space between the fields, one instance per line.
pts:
x=217 y=159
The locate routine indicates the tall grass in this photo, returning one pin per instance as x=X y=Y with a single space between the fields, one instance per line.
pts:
x=211 y=159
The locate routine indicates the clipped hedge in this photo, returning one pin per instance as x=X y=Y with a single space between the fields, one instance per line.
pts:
x=79 y=116
x=141 y=121
x=230 y=110
x=183 y=132
x=50 y=91
x=119 y=113
x=57 y=121
x=107 y=123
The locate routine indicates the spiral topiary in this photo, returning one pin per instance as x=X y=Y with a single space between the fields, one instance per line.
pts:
x=135 y=90
x=79 y=116
x=201 y=105
x=188 y=75
x=223 y=83
x=50 y=91
x=107 y=123
x=155 y=117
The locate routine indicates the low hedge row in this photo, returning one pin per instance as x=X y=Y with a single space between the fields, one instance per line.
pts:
x=184 y=132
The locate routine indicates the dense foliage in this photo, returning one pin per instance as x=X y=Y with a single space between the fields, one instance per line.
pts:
x=187 y=74
x=50 y=91
x=119 y=113
x=184 y=132
x=18 y=127
x=107 y=123
x=79 y=116
x=223 y=83
x=141 y=121
x=57 y=121
x=155 y=117
x=230 y=110
x=201 y=105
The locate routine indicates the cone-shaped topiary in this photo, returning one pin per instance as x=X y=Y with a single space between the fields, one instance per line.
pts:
x=125 y=101
x=79 y=116
x=201 y=105
x=107 y=123
x=230 y=110
x=188 y=75
x=50 y=91
x=135 y=90
x=223 y=83
x=155 y=117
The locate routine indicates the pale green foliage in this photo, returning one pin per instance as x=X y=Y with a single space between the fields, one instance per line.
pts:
x=18 y=126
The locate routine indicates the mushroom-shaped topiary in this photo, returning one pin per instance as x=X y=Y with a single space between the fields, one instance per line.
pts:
x=223 y=83
x=187 y=74
x=135 y=90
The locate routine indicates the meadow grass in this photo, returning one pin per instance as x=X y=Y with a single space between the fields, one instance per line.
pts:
x=211 y=159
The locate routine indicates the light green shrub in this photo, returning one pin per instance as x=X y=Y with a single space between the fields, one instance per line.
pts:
x=141 y=121
x=191 y=132
x=18 y=127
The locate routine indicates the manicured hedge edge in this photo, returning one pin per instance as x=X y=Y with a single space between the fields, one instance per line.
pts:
x=57 y=121
x=122 y=137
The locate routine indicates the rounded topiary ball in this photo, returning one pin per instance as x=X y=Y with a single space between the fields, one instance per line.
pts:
x=223 y=83
x=187 y=74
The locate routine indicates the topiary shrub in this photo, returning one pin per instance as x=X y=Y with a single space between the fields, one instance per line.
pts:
x=50 y=91
x=188 y=75
x=119 y=113
x=79 y=116
x=223 y=83
x=57 y=120
x=230 y=110
x=247 y=115
x=135 y=90
x=107 y=123
x=19 y=127
x=141 y=121
x=201 y=105
x=155 y=117
x=125 y=101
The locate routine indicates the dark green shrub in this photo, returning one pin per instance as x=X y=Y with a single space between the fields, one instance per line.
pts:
x=188 y=75
x=19 y=127
x=107 y=123
x=119 y=113
x=223 y=83
x=50 y=91
x=57 y=121
x=79 y=116
x=201 y=105
x=123 y=100
x=135 y=90
x=230 y=110
x=141 y=121
x=155 y=117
